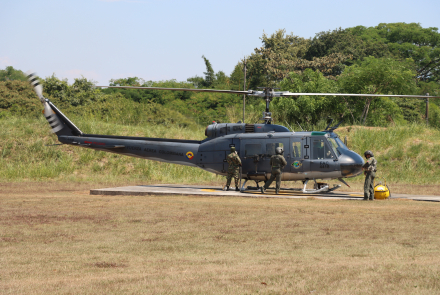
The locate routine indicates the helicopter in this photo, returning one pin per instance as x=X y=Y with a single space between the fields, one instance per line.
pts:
x=310 y=155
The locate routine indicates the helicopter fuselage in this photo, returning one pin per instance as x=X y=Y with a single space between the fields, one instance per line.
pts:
x=309 y=155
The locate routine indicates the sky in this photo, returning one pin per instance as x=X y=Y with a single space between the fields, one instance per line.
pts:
x=165 y=39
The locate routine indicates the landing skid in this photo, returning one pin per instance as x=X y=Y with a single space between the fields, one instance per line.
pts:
x=319 y=188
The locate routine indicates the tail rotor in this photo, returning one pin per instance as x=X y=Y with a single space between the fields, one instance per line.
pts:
x=50 y=115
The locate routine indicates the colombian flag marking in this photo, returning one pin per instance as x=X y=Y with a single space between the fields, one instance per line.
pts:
x=190 y=155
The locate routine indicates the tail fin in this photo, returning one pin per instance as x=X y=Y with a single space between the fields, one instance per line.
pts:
x=59 y=123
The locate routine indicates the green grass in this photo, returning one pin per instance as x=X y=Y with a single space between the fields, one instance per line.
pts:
x=406 y=154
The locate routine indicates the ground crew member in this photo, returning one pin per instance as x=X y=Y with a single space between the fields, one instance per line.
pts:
x=277 y=162
x=234 y=164
x=370 y=168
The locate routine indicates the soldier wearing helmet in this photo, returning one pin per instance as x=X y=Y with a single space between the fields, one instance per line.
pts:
x=370 y=168
x=234 y=164
x=277 y=162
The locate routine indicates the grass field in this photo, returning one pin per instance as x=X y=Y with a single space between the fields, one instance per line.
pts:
x=57 y=239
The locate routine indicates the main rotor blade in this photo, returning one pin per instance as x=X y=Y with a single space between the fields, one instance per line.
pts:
x=361 y=95
x=180 y=89
x=270 y=94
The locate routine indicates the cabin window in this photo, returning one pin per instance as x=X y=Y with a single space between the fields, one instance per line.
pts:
x=223 y=131
x=235 y=128
x=271 y=148
x=296 y=149
x=252 y=150
x=321 y=150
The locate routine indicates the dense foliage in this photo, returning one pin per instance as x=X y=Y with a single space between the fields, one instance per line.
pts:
x=395 y=58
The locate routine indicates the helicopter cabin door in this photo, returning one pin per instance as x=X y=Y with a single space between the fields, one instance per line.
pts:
x=300 y=154
x=251 y=151
x=270 y=146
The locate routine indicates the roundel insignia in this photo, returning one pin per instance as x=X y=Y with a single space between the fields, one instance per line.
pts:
x=190 y=155
x=297 y=164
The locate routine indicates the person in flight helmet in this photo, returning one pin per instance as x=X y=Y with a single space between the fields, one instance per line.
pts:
x=277 y=162
x=370 y=168
x=234 y=164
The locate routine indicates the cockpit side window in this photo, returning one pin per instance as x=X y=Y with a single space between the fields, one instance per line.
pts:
x=336 y=143
x=321 y=150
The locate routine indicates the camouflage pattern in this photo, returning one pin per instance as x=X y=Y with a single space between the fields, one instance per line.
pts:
x=370 y=165
x=277 y=162
x=234 y=164
x=370 y=168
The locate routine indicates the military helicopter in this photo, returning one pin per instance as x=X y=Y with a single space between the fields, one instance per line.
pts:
x=310 y=155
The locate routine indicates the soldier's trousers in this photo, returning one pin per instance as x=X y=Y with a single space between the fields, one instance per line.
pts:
x=233 y=174
x=369 y=185
x=275 y=174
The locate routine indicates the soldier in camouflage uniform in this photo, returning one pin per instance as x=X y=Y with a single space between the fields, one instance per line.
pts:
x=370 y=168
x=234 y=163
x=277 y=162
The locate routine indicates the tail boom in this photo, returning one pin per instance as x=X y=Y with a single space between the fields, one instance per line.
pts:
x=182 y=152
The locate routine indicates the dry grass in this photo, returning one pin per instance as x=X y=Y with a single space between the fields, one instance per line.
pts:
x=58 y=239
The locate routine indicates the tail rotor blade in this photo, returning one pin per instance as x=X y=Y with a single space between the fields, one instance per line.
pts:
x=52 y=118
x=33 y=80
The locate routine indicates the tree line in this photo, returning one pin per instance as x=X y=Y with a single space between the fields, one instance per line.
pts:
x=395 y=58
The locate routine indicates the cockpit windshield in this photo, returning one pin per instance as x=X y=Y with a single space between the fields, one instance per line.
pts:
x=336 y=143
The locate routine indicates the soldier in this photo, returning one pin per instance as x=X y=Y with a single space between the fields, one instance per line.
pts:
x=234 y=163
x=277 y=162
x=370 y=168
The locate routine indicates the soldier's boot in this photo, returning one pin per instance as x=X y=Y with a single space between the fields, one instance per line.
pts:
x=227 y=188
x=237 y=189
x=277 y=192
x=262 y=189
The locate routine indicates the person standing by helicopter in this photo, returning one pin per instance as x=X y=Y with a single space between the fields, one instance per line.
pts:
x=370 y=168
x=234 y=164
x=277 y=162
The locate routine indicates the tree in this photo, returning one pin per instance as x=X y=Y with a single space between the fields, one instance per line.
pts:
x=209 y=74
x=277 y=57
x=81 y=92
x=10 y=74
x=377 y=76
x=336 y=41
x=333 y=50
x=308 y=108
x=211 y=79
x=130 y=81
x=407 y=41
x=196 y=81
x=221 y=80
x=56 y=88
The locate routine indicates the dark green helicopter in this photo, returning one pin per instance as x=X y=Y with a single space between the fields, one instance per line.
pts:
x=310 y=155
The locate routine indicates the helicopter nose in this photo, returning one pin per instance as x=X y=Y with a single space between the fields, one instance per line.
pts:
x=351 y=164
